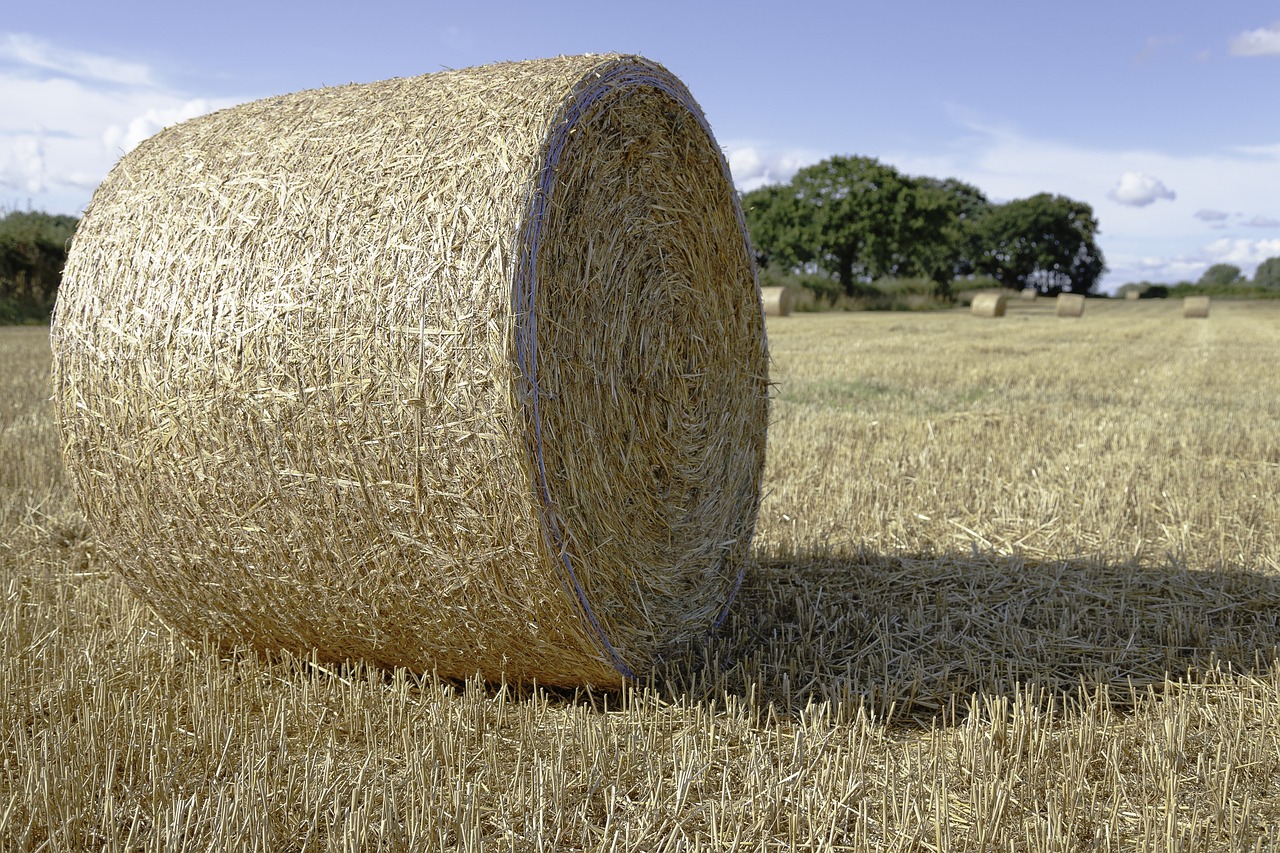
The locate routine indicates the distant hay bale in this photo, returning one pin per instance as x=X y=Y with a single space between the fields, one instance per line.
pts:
x=1195 y=306
x=988 y=305
x=465 y=372
x=1132 y=295
x=778 y=301
x=1030 y=294
x=1070 y=305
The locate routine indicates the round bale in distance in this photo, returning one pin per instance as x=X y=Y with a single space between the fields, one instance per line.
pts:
x=1070 y=305
x=988 y=304
x=1029 y=294
x=1195 y=307
x=465 y=372
x=778 y=301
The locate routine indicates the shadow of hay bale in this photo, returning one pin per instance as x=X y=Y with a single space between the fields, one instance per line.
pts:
x=914 y=637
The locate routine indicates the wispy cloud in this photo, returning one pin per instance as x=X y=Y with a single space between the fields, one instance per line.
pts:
x=1211 y=215
x=1138 y=189
x=1264 y=41
x=1155 y=45
x=29 y=52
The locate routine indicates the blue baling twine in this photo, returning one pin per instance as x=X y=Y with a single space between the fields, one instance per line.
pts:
x=618 y=77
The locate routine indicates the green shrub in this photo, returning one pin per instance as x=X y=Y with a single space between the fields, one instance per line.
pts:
x=33 y=250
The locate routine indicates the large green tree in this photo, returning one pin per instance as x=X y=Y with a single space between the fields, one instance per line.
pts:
x=1221 y=275
x=961 y=235
x=1046 y=242
x=1268 y=274
x=856 y=219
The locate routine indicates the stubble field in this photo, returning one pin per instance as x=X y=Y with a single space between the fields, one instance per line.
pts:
x=1015 y=586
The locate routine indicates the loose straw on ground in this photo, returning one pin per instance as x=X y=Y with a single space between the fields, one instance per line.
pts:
x=1070 y=305
x=464 y=372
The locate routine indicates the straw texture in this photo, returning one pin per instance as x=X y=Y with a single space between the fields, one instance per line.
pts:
x=1029 y=294
x=778 y=301
x=988 y=304
x=463 y=372
x=1069 y=305
x=1195 y=307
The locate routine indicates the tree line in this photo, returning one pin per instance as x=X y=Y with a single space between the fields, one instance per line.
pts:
x=1221 y=279
x=856 y=220
x=33 y=251
x=848 y=220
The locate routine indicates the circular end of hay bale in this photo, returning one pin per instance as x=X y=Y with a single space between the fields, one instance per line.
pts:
x=1069 y=305
x=1195 y=307
x=778 y=301
x=989 y=304
x=463 y=373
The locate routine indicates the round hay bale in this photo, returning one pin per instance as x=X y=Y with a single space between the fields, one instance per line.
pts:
x=1029 y=294
x=988 y=304
x=778 y=301
x=805 y=300
x=1132 y=295
x=1070 y=305
x=1195 y=307
x=465 y=372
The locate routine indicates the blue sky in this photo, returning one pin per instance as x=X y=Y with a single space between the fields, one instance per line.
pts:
x=1164 y=116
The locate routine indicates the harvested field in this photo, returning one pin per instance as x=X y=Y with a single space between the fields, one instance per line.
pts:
x=1011 y=590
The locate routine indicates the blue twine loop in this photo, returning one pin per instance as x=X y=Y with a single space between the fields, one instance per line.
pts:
x=617 y=77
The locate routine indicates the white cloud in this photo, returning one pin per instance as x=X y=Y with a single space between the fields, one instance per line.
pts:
x=1260 y=42
x=125 y=138
x=1211 y=215
x=22 y=165
x=66 y=117
x=1161 y=242
x=1244 y=253
x=755 y=166
x=1138 y=189
x=1156 y=269
x=34 y=53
